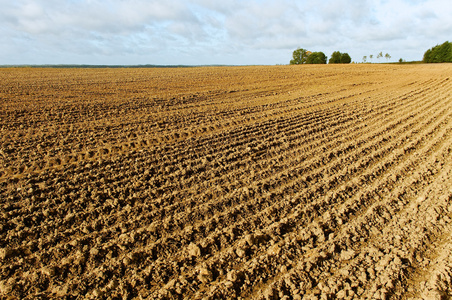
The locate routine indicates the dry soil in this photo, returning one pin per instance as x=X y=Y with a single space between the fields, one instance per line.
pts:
x=282 y=182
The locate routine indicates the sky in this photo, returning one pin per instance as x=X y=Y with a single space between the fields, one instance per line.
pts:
x=205 y=32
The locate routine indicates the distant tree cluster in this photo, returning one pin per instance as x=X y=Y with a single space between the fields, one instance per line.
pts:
x=380 y=55
x=439 y=53
x=340 y=58
x=303 y=56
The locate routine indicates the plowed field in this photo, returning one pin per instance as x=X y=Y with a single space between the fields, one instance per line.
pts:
x=283 y=182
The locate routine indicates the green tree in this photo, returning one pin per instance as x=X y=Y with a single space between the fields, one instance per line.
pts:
x=439 y=53
x=387 y=56
x=427 y=56
x=345 y=58
x=340 y=58
x=299 y=56
x=364 y=59
x=316 y=58
x=335 y=58
x=371 y=56
x=380 y=55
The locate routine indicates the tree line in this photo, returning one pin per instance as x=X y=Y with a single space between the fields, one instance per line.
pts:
x=439 y=53
x=380 y=55
x=303 y=56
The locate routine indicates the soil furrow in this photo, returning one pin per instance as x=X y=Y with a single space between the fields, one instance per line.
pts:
x=347 y=209
x=319 y=182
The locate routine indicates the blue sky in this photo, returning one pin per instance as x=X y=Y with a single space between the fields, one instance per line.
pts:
x=196 y=32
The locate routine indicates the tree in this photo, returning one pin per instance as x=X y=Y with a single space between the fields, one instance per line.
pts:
x=387 y=56
x=380 y=55
x=316 y=58
x=335 y=58
x=428 y=56
x=401 y=60
x=371 y=56
x=299 y=56
x=345 y=58
x=364 y=59
x=439 y=53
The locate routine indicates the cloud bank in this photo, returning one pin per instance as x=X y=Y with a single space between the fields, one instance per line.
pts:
x=207 y=32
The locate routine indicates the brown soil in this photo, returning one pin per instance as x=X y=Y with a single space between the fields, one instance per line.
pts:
x=285 y=182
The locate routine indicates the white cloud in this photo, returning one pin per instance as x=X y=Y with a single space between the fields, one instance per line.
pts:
x=206 y=31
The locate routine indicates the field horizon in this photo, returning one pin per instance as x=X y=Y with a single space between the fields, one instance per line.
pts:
x=139 y=66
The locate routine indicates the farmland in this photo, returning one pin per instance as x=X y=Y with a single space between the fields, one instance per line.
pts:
x=281 y=182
